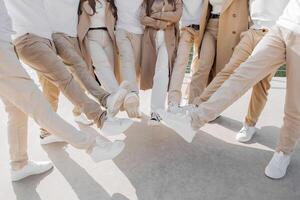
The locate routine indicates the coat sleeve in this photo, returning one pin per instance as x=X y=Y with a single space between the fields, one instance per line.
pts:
x=170 y=16
x=151 y=22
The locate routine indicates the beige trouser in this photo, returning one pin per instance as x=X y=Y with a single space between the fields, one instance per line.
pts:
x=130 y=46
x=278 y=47
x=102 y=53
x=188 y=38
x=68 y=49
x=22 y=98
x=242 y=51
x=40 y=54
x=202 y=69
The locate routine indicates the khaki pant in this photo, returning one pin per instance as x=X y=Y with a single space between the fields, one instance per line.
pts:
x=68 y=49
x=201 y=71
x=130 y=46
x=242 y=51
x=188 y=37
x=278 y=47
x=40 y=54
x=102 y=53
x=22 y=98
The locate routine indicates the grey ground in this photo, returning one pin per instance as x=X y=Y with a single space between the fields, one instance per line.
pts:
x=158 y=165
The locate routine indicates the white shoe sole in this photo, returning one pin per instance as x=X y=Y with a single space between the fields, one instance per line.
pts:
x=131 y=105
x=111 y=156
x=25 y=175
x=245 y=139
x=153 y=123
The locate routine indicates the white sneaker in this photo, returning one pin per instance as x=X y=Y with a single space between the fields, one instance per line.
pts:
x=115 y=126
x=246 y=133
x=131 y=105
x=116 y=100
x=180 y=123
x=32 y=168
x=278 y=165
x=106 y=150
x=50 y=139
x=82 y=119
x=180 y=109
x=154 y=120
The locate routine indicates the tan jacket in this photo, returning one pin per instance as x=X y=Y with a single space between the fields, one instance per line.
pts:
x=166 y=20
x=234 y=20
x=83 y=28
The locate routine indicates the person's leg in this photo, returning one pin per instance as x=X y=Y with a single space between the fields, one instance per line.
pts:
x=65 y=47
x=200 y=75
x=17 y=88
x=101 y=50
x=266 y=58
x=178 y=72
x=127 y=58
x=241 y=53
x=39 y=53
x=289 y=133
x=17 y=135
x=160 y=79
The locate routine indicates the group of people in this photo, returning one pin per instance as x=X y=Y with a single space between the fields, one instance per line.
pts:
x=111 y=49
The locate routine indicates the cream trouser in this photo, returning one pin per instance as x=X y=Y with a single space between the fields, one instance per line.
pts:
x=242 y=51
x=22 y=98
x=278 y=47
x=102 y=53
x=68 y=49
x=188 y=37
x=40 y=54
x=202 y=69
x=130 y=46
x=161 y=74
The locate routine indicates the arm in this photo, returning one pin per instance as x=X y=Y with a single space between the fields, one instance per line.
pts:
x=151 y=22
x=170 y=16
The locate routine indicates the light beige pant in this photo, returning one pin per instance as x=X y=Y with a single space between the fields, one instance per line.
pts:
x=68 y=49
x=40 y=54
x=201 y=71
x=242 y=51
x=22 y=98
x=278 y=47
x=130 y=46
x=188 y=37
x=102 y=53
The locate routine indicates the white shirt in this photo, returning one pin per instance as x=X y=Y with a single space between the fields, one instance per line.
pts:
x=290 y=18
x=98 y=19
x=28 y=16
x=191 y=12
x=5 y=23
x=265 y=13
x=63 y=16
x=129 y=15
x=217 y=6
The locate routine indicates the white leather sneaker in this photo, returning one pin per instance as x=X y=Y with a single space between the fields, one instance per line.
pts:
x=278 y=165
x=106 y=150
x=180 y=123
x=116 y=100
x=246 y=133
x=32 y=168
x=115 y=126
x=131 y=105
x=82 y=119
x=49 y=139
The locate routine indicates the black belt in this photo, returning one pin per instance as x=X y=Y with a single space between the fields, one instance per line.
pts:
x=98 y=28
x=194 y=26
x=215 y=16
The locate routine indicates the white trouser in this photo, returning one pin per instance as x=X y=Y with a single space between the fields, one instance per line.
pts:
x=102 y=53
x=161 y=76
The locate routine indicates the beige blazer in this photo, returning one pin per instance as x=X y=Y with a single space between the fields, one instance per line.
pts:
x=83 y=28
x=234 y=19
x=166 y=20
